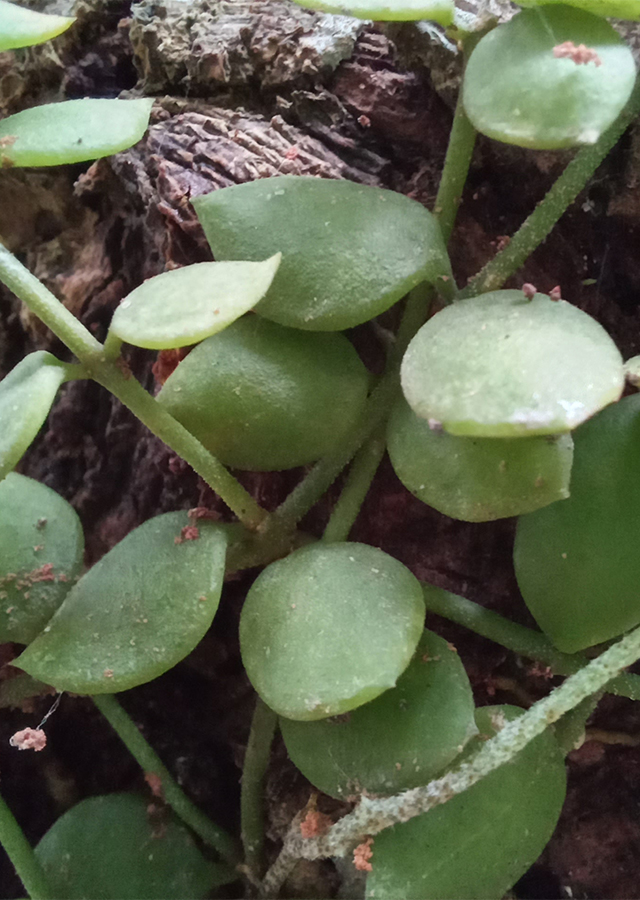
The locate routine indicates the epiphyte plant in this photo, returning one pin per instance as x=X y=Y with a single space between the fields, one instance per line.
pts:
x=494 y=403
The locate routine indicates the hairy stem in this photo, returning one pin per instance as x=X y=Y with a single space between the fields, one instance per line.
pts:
x=357 y=484
x=22 y=857
x=519 y=639
x=256 y=760
x=150 y=762
x=462 y=140
x=535 y=229
x=373 y=815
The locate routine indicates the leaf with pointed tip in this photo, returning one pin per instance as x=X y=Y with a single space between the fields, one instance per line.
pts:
x=577 y=562
x=348 y=251
x=519 y=91
x=72 y=131
x=136 y=613
x=21 y=27
x=477 y=479
x=398 y=741
x=187 y=305
x=329 y=628
x=41 y=551
x=501 y=365
x=440 y=11
x=111 y=848
x=476 y=845
x=26 y=396
x=614 y=9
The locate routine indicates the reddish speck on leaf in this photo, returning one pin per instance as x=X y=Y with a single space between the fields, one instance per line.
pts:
x=38 y=547
x=29 y=739
x=108 y=673
x=529 y=290
x=8 y=140
x=580 y=54
x=188 y=533
x=155 y=783
x=452 y=647
x=362 y=854
x=556 y=293
x=315 y=824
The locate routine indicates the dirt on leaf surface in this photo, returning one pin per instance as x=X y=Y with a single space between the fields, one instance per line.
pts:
x=256 y=89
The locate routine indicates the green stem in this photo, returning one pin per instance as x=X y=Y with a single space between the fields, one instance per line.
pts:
x=356 y=487
x=518 y=638
x=372 y=815
x=150 y=762
x=256 y=760
x=569 y=730
x=152 y=414
x=462 y=140
x=21 y=854
x=565 y=190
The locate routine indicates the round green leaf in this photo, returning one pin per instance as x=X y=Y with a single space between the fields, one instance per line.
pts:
x=440 y=11
x=20 y=27
x=329 y=628
x=187 y=305
x=616 y=9
x=501 y=365
x=41 y=549
x=477 y=479
x=577 y=562
x=136 y=613
x=476 y=845
x=517 y=90
x=348 y=251
x=398 y=741
x=72 y=131
x=112 y=848
x=263 y=397
x=26 y=396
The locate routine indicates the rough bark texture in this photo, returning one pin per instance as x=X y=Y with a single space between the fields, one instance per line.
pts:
x=245 y=90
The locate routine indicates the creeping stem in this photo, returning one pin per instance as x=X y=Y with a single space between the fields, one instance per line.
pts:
x=151 y=763
x=256 y=760
x=24 y=860
x=561 y=195
x=462 y=140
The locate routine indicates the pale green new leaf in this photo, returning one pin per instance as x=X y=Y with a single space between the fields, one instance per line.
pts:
x=21 y=27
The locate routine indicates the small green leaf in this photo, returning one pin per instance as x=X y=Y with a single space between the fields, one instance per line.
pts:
x=20 y=27
x=136 y=613
x=263 y=397
x=72 y=131
x=476 y=845
x=577 y=562
x=187 y=305
x=501 y=365
x=113 y=848
x=14 y=691
x=615 y=9
x=440 y=11
x=477 y=479
x=348 y=251
x=41 y=550
x=518 y=90
x=632 y=371
x=26 y=396
x=398 y=741
x=329 y=628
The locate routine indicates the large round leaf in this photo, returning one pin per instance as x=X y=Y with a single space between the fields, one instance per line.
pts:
x=113 y=848
x=521 y=87
x=617 y=9
x=477 y=479
x=20 y=27
x=477 y=845
x=26 y=395
x=137 y=612
x=72 y=131
x=387 y=10
x=400 y=740
x=501 y=365
x=41 y=548
x=263 y=397
x=348 y=251
x=329 y=628
x=187 y=305
x=577 y=562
